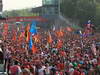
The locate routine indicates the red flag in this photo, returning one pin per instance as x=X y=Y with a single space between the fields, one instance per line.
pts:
x=59 y=44
x=34 y=49
x=14 y=36
x=69 y=29
x=5 y=26
x=60 y=33
x=21 y=36
x=49 y=39
x=28 y=27
x=36 y=38
x=5 y=32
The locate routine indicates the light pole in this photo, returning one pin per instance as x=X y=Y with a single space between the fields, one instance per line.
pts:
x=59 y=8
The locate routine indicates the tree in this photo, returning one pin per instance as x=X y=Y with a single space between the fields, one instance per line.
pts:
x=81 y=10
x=23 y=12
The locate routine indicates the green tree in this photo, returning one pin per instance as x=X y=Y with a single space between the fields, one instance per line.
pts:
x=81 y=10
x=23 y=12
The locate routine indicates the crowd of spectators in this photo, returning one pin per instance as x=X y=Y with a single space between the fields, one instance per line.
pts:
x=70 y=54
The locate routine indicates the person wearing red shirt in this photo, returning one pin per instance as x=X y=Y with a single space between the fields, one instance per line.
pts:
x=76 y=72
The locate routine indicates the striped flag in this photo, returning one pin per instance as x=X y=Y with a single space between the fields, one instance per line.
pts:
x=27 y=33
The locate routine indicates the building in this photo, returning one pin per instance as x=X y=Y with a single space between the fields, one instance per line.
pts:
x=50 y=10
x=50 y=7
x=37 y=11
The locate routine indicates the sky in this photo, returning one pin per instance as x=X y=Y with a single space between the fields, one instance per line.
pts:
x=20 y=4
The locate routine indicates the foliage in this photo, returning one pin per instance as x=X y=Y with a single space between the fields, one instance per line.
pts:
x=81 y=10
x=97 y=20
x=23 y=12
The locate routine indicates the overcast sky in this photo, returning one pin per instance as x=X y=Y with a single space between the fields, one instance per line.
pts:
x=20 y=4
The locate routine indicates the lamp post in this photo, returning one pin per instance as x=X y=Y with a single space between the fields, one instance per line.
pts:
x=59 y=8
